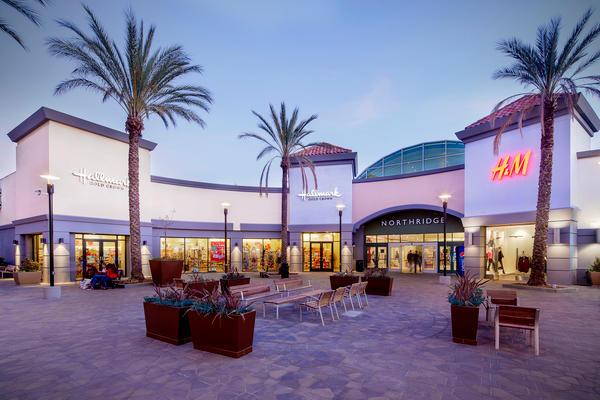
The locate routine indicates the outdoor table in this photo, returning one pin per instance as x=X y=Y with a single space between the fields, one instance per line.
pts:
x=289 y=300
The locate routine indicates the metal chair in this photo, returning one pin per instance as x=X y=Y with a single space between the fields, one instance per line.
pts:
x=338 y=296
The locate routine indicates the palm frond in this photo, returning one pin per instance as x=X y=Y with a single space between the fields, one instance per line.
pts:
x=27 y=11
x=142 y=79
x=283 y=136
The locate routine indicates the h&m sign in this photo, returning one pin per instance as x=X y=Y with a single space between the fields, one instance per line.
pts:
x=508 y=166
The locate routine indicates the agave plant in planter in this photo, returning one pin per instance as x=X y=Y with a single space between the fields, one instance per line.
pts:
x=342 y=279
x=220 y=323
x=379 y=282
x=199 y=284
x=165 y=314
x=233 y=279
x=465 y=297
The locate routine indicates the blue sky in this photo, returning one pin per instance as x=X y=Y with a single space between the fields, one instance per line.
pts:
x=381 y=75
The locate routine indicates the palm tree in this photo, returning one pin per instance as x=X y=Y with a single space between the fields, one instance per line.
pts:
x=283 y=141
x=551 y=74
x=141 y=80
x=22 y=8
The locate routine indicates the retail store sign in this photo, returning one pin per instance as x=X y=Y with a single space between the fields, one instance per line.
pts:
x=412 y=221
x=509 y=166
x=320 y=195
x=100 y=179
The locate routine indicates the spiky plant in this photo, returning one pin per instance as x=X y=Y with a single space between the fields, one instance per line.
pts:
x=283 y=139
x=551 y=73
x=24 y=9
x=142 y=79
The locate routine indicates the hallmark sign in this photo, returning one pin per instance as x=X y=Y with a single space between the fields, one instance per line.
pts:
x=101 y=180
x=320 y=195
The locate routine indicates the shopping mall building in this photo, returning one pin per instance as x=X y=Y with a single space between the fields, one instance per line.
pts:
x=392 y=209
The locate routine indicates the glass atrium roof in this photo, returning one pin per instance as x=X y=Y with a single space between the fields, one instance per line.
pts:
x=418 y=158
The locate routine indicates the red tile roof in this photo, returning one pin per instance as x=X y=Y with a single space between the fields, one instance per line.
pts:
x=322 y=148
x=522 y=103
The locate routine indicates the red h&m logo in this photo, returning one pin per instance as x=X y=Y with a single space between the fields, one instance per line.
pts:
x=508 y=166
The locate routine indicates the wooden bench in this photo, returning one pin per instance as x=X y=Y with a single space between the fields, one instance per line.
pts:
x=292 y=286
x=526 y=318
x=500 y=297
x=256 y=293
x=288 y=300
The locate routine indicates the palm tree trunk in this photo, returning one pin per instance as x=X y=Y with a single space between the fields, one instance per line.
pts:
x=284 y=211
x=134 y=127
x=540 y=241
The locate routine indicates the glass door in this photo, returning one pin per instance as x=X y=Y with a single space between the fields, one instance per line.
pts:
x=395 y=254
x=109 y=252
x=321 y=256
x=382 y=256
x=91 y=261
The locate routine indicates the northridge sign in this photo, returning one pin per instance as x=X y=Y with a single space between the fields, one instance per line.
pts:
x=101 y=180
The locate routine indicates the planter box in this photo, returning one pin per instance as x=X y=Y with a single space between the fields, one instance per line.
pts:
x=226 y=283
x=168 y=324
x=228 y=336
x=27 y=278
x=381 y=286
x=593 y=277
x=337 y=281
x=464 y=324
x=163 y=272
x=209 y=286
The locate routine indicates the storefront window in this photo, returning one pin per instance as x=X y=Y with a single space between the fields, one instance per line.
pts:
x=458 y=236
x=508 y=248
x=172 y=248
x=195 y=254
x=394 y=238
x=202 y=253
x=95 y=252
x=382 y=238
x=371 y=239
x=261 y=254
x=432 y=237
x=412 y=237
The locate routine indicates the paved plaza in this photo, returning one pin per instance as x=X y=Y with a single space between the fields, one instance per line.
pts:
x=92 y=345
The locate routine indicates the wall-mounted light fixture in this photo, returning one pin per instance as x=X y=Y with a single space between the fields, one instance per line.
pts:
x=44 y=240
x=236 y=244
x=16 y=242
x=345 y=243
x=144 y=243
x=61 y=240
x=294 y=243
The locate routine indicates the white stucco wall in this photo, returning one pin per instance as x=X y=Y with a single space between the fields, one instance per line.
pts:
x=8 y=187
x=32 y=161
x=517 y=193
x=321 y=211
x=588 y=193
x=73 y=149
x=204 y=205
x=373 y=196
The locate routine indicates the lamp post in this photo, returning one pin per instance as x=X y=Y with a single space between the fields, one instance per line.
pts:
x=52 y=293
x=225 y=212
x=340 y=208
x=445 y=198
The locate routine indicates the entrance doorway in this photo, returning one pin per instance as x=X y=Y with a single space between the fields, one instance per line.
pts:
x=321 y=256
x=93 y=252
x=377 y=256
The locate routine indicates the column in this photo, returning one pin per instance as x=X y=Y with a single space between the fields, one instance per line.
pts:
x=475 y=250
